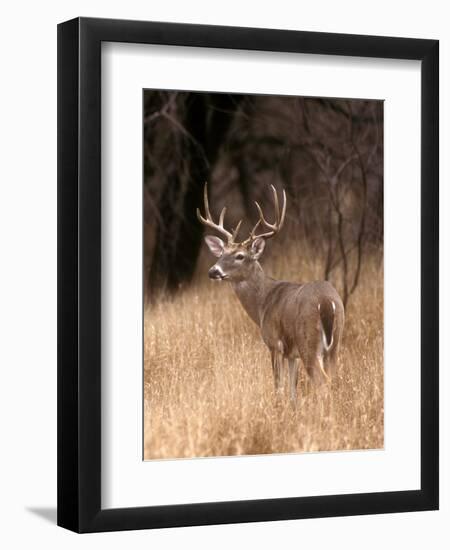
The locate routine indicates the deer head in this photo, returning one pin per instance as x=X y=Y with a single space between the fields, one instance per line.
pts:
x=237 y=259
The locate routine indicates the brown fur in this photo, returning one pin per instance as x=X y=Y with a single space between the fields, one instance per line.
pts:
x=297 y=321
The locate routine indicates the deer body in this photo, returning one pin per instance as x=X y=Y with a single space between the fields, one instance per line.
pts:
x=297 y=321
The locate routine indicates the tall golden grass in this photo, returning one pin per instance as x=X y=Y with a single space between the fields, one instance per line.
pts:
x=208 y=388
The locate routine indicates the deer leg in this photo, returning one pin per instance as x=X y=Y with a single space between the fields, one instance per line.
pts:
x=315 y=369
x=293 y=378
x=277 y=363
x=320 y=364
x=281 y=367
x=331 y=357
x=330 y=360
x=320 y=379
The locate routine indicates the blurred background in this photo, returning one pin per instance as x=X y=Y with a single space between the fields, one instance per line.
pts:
x=326 y=153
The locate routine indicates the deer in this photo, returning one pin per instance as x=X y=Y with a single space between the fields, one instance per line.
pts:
x=298 y=322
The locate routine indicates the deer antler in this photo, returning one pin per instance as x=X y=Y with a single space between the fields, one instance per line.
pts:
x=274 y=227
x=208 y=221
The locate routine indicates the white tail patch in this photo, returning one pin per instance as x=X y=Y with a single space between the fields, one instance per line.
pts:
x=325 y=344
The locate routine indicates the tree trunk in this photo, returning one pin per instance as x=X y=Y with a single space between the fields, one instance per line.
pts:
x=179 y=234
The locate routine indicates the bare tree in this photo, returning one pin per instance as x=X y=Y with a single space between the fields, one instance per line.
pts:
x=183 y=133
x=326 y=153
x=345 y=170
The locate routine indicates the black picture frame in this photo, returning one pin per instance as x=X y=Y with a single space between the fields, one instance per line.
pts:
x=79 y=274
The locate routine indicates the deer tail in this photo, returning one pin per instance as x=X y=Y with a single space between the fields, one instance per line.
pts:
x=327 y=313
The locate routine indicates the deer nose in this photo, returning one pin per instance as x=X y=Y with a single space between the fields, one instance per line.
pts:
x=215 y=273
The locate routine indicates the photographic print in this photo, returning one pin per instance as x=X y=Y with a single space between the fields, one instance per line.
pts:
x=226 y=262
x=263 y=274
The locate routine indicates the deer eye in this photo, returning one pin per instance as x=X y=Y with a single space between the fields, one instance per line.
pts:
x=239 y=256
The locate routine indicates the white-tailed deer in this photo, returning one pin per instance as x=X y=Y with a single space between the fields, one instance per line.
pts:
x=298 y=321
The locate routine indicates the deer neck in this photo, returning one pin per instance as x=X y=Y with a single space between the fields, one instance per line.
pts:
x=252 y=291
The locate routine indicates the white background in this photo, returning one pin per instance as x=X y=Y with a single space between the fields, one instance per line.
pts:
x=28 y=273
x=128 y=481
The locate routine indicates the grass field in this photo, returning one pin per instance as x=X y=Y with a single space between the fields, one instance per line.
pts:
x=208 y=387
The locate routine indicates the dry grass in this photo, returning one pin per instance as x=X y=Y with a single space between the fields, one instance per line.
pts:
x=208 y=388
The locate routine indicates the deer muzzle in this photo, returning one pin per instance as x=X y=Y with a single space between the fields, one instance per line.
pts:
x=216 y=273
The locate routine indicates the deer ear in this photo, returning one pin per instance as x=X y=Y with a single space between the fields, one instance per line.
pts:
x=215 y=244
x=258 y=248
